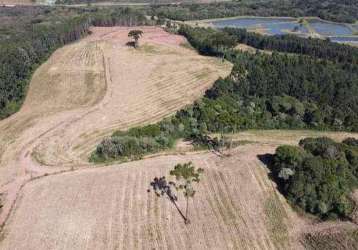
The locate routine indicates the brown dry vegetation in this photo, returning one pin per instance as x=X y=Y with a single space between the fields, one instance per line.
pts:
x=88 y=89
x=15 y=2
x=84 y=92
x=237 y=207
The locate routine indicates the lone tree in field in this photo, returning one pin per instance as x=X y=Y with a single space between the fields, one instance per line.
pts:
x=135 y=34
x=186 y=175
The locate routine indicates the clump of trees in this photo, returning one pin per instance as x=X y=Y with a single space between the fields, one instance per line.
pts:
x=186 y=175
x=319 y=175
x=132 y=144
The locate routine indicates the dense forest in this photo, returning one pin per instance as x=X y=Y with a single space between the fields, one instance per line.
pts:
x=279 y=90
x=340 y=11
x=293 y=44
x=319 y=175
x=29 y=35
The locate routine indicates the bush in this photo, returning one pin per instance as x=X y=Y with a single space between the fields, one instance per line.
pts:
x=119 y=147
x=351 y=142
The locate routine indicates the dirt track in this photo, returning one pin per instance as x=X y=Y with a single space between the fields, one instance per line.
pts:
x=88 y=89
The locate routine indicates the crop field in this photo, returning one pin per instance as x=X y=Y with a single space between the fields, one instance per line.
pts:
x=54 y=199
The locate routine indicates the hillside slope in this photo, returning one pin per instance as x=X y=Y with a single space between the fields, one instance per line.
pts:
x=88 y=89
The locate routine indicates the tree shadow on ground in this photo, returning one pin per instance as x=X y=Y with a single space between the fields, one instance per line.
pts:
x=130 y=44
x=267 y=160
x=163 y=188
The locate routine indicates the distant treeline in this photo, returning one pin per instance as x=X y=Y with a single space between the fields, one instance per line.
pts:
x=334 y=10
x=30 y=35
x=293 y=44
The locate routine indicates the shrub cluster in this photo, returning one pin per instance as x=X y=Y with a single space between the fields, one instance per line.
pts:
x=139 y=141
x=319 y=175
x=132 y=144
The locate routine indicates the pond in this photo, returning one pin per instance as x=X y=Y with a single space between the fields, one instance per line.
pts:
x=338 y=32
x=330 y=29
x=271 y=26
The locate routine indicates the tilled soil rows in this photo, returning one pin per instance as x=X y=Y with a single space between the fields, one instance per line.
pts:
x=88 y=89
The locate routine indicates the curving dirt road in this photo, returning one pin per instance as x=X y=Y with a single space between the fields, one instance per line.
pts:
x=88 y=89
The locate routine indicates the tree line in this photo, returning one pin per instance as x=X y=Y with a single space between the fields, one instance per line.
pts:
x=339 y=11
x=314 y=47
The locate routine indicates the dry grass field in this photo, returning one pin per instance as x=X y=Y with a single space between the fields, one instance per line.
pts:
x=88 y=89
x=54 y=199
x=236 y=207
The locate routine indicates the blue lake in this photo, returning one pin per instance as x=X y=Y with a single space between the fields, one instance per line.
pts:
x=280 y=26
x=330 y=29
x=271 y=26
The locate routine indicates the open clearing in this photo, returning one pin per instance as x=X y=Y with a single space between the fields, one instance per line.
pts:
x=84 y=92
